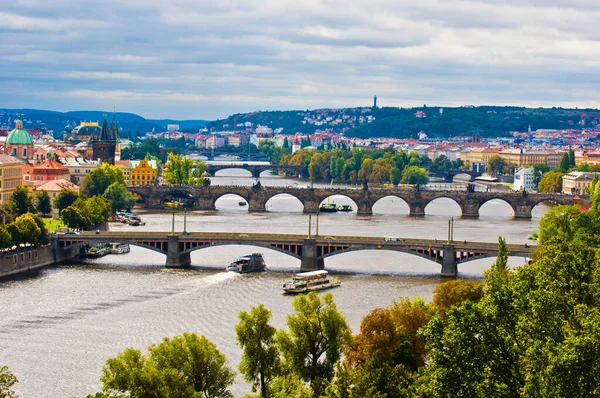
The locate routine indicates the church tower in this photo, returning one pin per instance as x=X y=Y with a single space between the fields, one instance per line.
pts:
x=104 y=146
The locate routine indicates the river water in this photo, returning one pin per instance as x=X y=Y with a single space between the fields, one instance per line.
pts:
x=58 y=327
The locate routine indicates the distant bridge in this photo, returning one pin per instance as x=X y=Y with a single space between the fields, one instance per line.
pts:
x=204 y=198
x=310 y=250
x=255 y=169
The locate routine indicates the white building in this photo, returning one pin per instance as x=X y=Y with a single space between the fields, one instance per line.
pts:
x=524 y=179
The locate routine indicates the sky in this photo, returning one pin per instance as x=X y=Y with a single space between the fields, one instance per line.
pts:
x=207 y=59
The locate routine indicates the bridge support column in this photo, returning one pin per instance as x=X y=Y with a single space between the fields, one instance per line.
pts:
x=310 y=260
x=257 y=205
x=310 y=206
x=256 y=173
x=365 y=208
x=176 y=259
x=416 y=209
x=523 y=211
x=470 y=209
x=449 y=266
x=205 y=204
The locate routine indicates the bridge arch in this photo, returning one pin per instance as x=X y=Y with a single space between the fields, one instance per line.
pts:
x=234 y=199
x=456 y=209
x=292 y=202
x=501 y=205
x=386 y=248
x=381 y=205
x=342 y=199
x=225 y=172
x=283 y=249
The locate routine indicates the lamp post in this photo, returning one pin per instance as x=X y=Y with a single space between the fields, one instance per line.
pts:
x=173 y=223
x=317 y=230
x=309 y=224
x=184 y=221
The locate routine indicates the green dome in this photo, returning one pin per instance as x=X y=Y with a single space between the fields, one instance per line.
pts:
x=19 y=136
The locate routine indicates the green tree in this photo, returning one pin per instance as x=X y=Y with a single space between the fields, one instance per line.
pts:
x=43 y=238
x=72 y=218
x=538 y=171
x=571 y=158
x=567 y=161
x=7 y=381
x=453 y=293
x=86 y=213
x=415 y=175
x=119 y=197
x=65 y=199
x=187 y=365
x=5 y=238
x=551 y=182
x=395 y=175
x=20 y=202
x=29 y=231
x=260 y=359
x=43 y=204
x=496 y=165
x=181 y=170
x=100 y=179
x=314 y=342
x=568 y=223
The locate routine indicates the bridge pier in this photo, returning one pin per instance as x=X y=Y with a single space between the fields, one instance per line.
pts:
x=310 y=206
x=470 y=209
x=256 y=205
x=205 y=204
x=175 y=257
x=365 y=208
x=522 y=211
x=449 y=266
x=310 y=261
x=256 y=173
x=416 y=209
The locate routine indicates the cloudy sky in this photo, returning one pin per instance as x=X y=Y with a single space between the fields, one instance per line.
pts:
x=206 y=59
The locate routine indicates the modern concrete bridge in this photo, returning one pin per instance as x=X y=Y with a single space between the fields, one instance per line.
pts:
x=204 y=198
x=310 y=250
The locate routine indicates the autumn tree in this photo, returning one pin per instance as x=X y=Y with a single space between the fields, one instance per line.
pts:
x=496 y=165
x=260 y=358
x=453 y=293
x=551 y=182
x=7 y=381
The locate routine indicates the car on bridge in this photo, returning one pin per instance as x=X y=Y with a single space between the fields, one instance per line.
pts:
x=391 y=239
x=329 y=237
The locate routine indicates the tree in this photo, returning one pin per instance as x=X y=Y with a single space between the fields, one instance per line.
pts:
x=453 y=293
x=43 y=204
x=43 y=238
x=567 y=223
x=538 y=171
x=567 y=161
x=119 y=197
x=29 y=231
x=314 y=342
x=20 y=202
x=86 y=213
x=65 y=199
x=100 y=179
x=496 y=165
x=7 y=380
x=395 y=175
x=5 y=238
x=187 y=365
x=415 y=175
x=551 y=182
x=260 y=359
x=181 y=170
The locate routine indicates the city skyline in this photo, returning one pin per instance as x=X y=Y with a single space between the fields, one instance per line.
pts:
x=190 y=60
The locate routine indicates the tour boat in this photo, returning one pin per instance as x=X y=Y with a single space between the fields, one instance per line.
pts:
x=250 y=263
x=345 y=208
x=119 y=248
x=328 y=208
x=309 y=281
x=94 y=251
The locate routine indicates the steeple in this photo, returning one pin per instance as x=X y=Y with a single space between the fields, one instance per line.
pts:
x=104 y=133
x=114 y=128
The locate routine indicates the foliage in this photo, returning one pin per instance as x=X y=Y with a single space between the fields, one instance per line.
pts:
x=100 y=179
x=551 y=182
x=260 y=359
x=496 y=165
x=187 y=365
x=7 y=381
x=538 y=171
x=453 y=293
x=43 y=202
x=119 y=197
x=567 y=223
x=65 y=198
x=20 y=202
x=86 y=213
x=415 y=175
x=567 y=161
x=314 y=342
x=181 y=170
x=6 y=240
x=28 y=229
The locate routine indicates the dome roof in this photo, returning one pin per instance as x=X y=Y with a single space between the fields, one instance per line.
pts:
x=19 y=136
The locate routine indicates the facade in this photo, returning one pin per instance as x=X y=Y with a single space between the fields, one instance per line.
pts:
x=124 y=165
x=45 y=170
x=576 y=182
x=79 y=168
x=11 y=176
x=524 y=179
x=54 y=187
x=104 y=147
x=143 y=173
x=19 y=142
x=215 y=142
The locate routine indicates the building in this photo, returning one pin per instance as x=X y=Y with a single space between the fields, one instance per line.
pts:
x=82 y=133
x=143 y=172
x=576 y=182
x=54 y=187
x=215 y=142
x=79 y=168
x=19 y=142
x=105 y=146
x=524 y=179
x=11 y=176
x=124 y=165
x=44 y=170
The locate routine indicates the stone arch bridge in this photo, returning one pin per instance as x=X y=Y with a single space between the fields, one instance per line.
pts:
x=204 y=198
x=255 y=169
x=310 y=250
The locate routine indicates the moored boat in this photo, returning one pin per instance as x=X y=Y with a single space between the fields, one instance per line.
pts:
x=119 y=248
x=94 y=251
x=309 y=281
x=328 y=208
x=171 y=204
x=250 y=263
x=345 y=208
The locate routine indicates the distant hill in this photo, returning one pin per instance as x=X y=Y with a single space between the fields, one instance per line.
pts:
x=129 y=122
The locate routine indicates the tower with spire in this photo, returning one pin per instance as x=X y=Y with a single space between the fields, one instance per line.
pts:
x=104 y=147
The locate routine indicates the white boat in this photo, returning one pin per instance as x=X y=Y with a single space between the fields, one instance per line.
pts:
x=309 y=281
x=119 y=248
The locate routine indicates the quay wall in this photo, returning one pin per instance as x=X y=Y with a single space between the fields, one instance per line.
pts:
x=15 y=262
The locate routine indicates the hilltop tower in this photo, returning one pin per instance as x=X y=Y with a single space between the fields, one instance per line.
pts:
x=104 y=147
x=375 y=102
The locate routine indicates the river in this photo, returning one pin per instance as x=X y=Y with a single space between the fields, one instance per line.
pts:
x=58 y=327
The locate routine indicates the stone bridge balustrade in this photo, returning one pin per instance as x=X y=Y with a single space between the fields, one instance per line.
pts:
x=204 y=198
